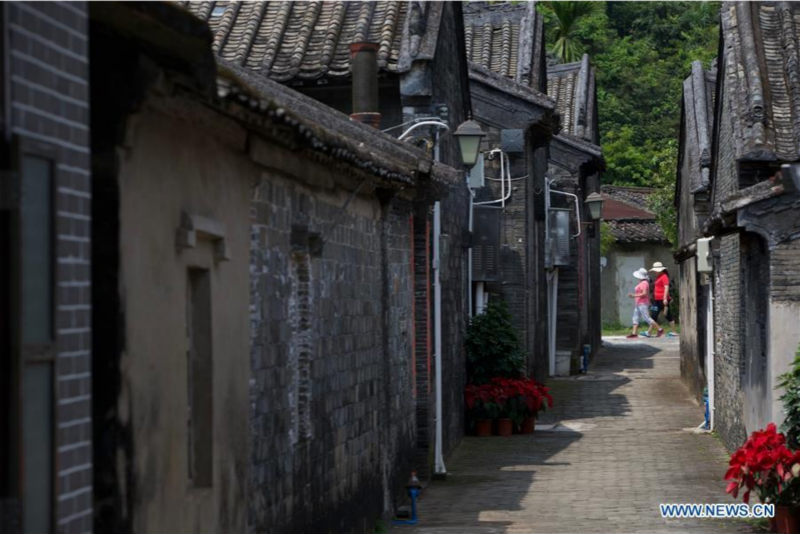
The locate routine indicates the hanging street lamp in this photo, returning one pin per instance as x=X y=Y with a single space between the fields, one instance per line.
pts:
x=469 y=135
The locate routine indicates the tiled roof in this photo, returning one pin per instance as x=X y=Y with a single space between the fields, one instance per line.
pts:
x=572 y=85
x=506 y=38
x=760 y=69
x=637 y=232
x=635 y=196
x=698 y=112
x=310 y=40
x=326 y=132
x=624 y=209
x=615 y=209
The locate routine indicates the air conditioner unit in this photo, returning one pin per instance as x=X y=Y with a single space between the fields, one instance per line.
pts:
x=558 y=238
x=704 y=260
x=486 y=244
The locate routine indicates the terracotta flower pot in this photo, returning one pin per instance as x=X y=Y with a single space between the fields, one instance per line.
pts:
x=504 y=426
x=528 y=424
x=786 y=520
x=483 y=427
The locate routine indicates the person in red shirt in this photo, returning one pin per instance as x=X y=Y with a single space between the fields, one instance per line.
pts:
x=641 y=304
x=661 y=297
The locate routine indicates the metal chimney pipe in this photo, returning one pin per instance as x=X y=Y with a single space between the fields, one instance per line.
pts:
x=364 y=68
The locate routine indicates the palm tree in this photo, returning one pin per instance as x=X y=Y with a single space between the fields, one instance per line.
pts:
x=566 y=46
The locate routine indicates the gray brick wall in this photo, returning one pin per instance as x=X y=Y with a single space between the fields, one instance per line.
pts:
x=728 y=331
x=49 y=110
x=454 y=315
x=361 y=413
x=785 y=272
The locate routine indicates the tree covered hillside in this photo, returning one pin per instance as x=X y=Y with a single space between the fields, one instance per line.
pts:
x=642 y=52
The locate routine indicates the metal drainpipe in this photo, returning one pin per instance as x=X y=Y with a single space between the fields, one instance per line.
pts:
x=469 y=251
x=710 y=352
x=552 y=288
x=439 y=467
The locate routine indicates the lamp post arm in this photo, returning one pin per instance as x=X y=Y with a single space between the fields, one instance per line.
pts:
x=439 y=124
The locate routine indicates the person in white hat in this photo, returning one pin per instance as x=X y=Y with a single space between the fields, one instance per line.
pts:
x=641 y=296
x=661 y=298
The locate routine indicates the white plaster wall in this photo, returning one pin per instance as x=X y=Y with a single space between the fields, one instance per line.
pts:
x=783 y=339
x=173 y=166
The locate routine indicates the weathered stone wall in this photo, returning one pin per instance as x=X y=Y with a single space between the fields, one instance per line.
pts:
x=728 y=400
x=334 y=442
x=692 y=308
x=692 y=313
x=450 y=87
x=455 y=208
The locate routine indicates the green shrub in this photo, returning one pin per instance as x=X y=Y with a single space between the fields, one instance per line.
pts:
x=790 y=381
x=493 y=347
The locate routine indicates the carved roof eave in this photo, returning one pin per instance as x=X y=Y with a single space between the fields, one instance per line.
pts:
x=591 y=153
x=330 y=133
x=501 y=83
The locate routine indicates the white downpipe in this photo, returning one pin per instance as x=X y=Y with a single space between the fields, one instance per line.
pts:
x=552 y=277
x=439 y=467
x=505 y=175
x=469 y=251
x=710 y=353
x=552 y=283
x=480 y=298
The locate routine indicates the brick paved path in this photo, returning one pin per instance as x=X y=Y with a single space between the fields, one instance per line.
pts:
x=620 y=451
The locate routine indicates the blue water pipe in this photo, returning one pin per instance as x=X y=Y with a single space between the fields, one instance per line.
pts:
x=413 y=493
x=707 y=423
x=413 y=487
x=587 y=350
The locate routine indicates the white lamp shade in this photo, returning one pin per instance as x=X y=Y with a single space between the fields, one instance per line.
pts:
x=469 y=135
x=595 y=204
x=469 y=146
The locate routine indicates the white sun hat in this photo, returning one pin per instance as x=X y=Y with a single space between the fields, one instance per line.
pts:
x=658 y=267
x=641 y=274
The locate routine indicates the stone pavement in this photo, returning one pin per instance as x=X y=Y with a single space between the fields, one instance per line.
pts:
x=619 y=447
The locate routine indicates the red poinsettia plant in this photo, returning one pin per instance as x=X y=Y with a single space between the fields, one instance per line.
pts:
x=485 y=401
x=765 y=465
x=516 y=398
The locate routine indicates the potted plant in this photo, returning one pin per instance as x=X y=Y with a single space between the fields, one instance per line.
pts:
x=492 y=346
x=482 y=407
x=536 y=398
x=765 y=465
x=522 y=399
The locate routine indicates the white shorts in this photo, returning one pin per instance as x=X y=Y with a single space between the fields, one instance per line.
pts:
x=641 y=313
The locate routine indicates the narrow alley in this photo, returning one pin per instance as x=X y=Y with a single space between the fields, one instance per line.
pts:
x=617 y=443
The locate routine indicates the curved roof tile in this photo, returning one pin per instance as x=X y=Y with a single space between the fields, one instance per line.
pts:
x=310 y=40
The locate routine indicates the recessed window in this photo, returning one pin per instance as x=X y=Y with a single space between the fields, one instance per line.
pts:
x=36 y=325
x=200 y=420
x=36 y=243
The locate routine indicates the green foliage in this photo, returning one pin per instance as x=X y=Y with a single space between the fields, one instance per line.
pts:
x=790 y=382
x=606 y=238
x=662 y=200
x=493 y=348
x=642 y=52
x=564 y=18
